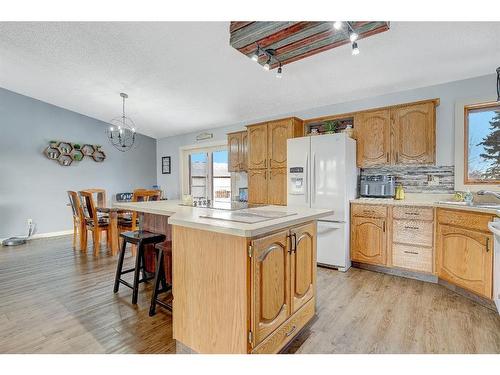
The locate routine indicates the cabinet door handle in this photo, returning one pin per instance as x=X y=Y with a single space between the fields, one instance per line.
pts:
x=412 y=213
x=295 y=242
x=290 y=248
x=410 y=227
x=291 y=331
x=265 y=163
x=397 y=157
x=410 y=252
x=387 y=157
x=487 y=244
x=383 y=226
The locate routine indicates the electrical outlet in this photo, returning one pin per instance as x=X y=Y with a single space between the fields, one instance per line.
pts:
x=30 y=222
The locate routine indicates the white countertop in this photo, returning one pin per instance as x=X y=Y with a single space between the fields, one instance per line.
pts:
x=427 y=200
x=186 y=216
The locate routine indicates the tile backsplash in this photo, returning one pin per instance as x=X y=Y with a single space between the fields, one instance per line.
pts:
x=419 y=179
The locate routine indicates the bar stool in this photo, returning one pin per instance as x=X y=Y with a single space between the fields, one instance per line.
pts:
x=164 y=252
x=140 y=239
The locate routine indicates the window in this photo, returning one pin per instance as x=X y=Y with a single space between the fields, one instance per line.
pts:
x=206 y=174
x=482 y=144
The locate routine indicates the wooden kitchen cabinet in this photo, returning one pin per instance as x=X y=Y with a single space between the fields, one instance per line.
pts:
x=271 y=284
x=414 y=133
x=465 y=251
x=237 y=145
x=257 y=186
x=257 y=146
x=283 y=270
x=276 y=188
x=267 y=152
x=369 y=240
x=398 y=135
x=373 y=138
x=303 y=263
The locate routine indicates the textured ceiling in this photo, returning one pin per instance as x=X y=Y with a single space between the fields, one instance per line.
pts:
x=184 y=76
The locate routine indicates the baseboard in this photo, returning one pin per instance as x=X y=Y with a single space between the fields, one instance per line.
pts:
x=46 y=235
x=430 y=278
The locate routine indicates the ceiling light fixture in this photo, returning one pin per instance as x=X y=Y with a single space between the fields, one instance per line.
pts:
x=355 y=49
x=121 y=133
x=337 y=25
x=256 y=54
x=267 y=65
x=279 y=72
x=498 y=84
x=353 y=36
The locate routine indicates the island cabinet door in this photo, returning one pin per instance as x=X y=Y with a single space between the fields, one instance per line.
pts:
x=270 y=284
x=368 y=240
x=303 y=265
x=465 y=258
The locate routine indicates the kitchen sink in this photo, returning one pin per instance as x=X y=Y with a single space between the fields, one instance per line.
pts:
x=493 y=206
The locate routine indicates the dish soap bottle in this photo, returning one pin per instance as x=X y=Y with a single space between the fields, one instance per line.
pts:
x=400 y=193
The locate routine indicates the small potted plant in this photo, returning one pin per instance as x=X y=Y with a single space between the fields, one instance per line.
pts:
x=76 y=146
x=53 y=143
x=331 y=126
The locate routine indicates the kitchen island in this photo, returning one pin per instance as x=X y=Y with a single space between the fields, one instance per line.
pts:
x=244 y=281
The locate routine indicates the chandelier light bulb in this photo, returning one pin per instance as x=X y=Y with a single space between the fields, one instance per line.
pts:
x=266 y=66
x=337 y=25
x=353 y=36
x=355 y=49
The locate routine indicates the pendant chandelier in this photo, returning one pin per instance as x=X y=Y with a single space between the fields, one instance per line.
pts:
x=498 y=84
x=121 y=133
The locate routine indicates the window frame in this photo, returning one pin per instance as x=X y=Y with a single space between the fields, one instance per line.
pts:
x=467 y=109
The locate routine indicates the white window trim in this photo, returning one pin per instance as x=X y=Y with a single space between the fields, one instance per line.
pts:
x=459 y=147
x=183 y=151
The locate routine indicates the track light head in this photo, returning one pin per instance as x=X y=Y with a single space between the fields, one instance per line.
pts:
x=355 y=49
x=279 y=72
x=255 y=56
x=353 y=37
x=267 y=65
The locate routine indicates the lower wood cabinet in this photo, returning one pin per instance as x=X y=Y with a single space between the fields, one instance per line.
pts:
x=369 y=240
x=257 y=186
x=465 y=255
x=283 y=281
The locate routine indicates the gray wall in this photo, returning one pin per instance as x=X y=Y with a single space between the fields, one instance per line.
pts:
x=449 y=93
x=32 y=186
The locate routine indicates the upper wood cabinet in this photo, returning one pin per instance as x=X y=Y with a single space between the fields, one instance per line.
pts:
x=373 y=136
x=267 y=142
x=404 y=134
x=414 y=129
x=270 y=284
x=465 y=251
x=237 y=145
x=257 y=146
x=302 y=263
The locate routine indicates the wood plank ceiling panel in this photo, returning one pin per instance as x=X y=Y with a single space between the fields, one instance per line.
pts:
x=294 y=41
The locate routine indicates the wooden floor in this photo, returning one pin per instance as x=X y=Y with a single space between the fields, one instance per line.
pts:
x=56 y=300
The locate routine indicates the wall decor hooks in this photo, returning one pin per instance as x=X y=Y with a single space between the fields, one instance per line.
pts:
x=65 y=153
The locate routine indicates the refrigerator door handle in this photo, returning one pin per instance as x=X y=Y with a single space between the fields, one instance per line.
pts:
x=307 y=177
x=313 y=192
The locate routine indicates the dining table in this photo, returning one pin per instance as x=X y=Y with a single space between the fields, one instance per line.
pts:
x=113 y=213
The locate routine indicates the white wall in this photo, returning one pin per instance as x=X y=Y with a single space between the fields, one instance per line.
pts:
x=449 y=93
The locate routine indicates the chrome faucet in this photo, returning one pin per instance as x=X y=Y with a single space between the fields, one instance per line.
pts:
x=487 y=192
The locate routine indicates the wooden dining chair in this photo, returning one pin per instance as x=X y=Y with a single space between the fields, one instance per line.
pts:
x=78 y=219
x=93 y=222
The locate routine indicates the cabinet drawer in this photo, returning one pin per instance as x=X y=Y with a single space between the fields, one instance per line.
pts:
x=413 y=232
x=369 y=210
x=413 y=213
x=412 y=257
x=287 y=331
x=464 y=219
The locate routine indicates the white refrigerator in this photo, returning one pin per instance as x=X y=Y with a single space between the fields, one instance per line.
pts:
x=322 y=173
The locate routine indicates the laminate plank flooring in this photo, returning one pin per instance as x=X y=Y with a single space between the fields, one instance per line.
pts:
x=54 y=299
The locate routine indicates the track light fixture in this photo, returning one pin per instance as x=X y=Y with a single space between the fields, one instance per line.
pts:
x=498 y=84
x=267 y=65
x=355 y=49
x=337 y=25
x=279 y=72
x=353 y=36
x=256 y=54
